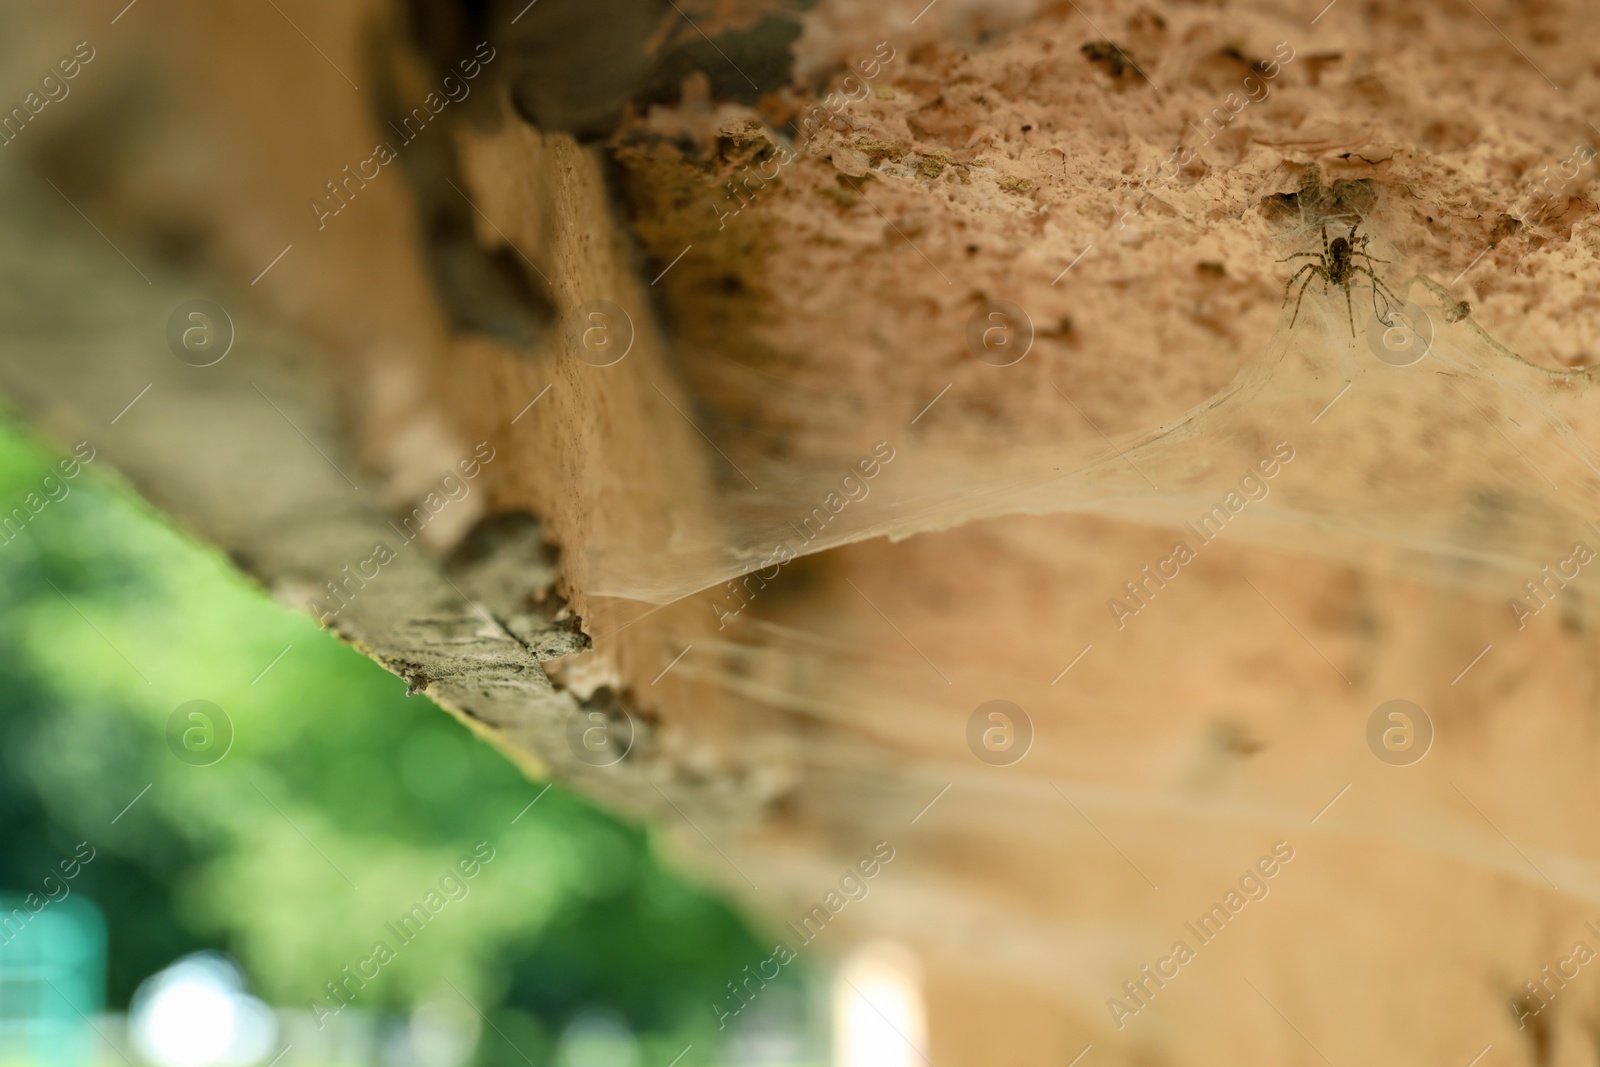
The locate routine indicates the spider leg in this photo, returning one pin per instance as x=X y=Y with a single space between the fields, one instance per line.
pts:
x=1315 y=269
x=1388 y=293
x=1312 y=267
x=1362 y=251
x=1288 y=284
x=1298 y=255
x=1350 y=310
x=1380 y=288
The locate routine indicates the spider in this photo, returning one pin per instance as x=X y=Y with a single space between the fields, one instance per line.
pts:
x=1336 y=265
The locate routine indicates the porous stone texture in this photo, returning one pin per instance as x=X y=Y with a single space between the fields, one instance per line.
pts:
x=971 y=170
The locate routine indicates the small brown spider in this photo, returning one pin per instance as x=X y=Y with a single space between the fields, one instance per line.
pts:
x=1336 y=265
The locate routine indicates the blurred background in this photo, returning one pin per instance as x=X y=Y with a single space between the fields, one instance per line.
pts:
x=228 y=839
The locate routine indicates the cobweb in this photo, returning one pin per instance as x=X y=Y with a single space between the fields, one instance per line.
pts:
x=1420 y=446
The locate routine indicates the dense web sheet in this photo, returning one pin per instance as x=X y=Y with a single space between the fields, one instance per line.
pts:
x=1421 y=446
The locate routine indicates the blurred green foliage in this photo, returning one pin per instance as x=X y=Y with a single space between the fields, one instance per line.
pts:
x=339 y=805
